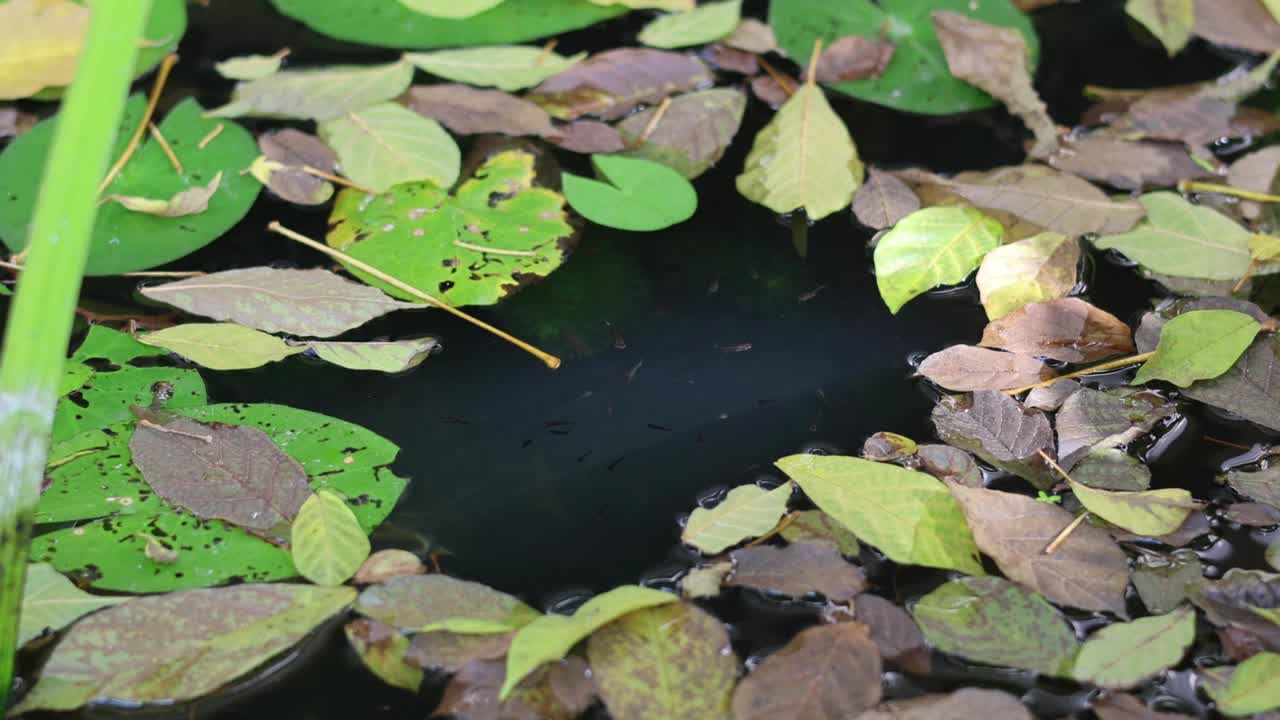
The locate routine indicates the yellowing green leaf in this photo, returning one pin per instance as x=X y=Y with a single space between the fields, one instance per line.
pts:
x=327 y=542
x=1123 y=655
x=1182 y=239
x=1199 y=345
x=389 y=144
x=1039 y=268
x=220 y=346
x=931 y=247
x=186 y=202
x=1146 y=512
x=452 y=9
x=1252 y=688
x=506 y=67
x=319 y=94
x=41 y=45
x=747 y=511
x=672 y=5
x=1264 y=248
x=382 y=649
x=909 y=516
x=250 y=67
x=388 y=357
x=51 y=601
x=707 y=22
x=551 y=636
x=1171 y=21
x=804 y=158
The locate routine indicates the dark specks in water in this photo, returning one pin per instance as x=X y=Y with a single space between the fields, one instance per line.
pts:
x=655 y=426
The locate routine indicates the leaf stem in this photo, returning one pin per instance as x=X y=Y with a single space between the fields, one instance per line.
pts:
x=162 y=76
x=787 y=84
x=215 y=132
x=164 y=145
x=1195 y=186
x=653 y=121
x=274 y=226
x=1108 y=365
x=336 y=179
x=811 y=73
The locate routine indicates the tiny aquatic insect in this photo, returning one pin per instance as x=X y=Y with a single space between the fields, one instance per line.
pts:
x=740 y=347
x=807 y=296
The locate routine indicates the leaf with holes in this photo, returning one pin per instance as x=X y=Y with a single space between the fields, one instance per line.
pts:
x=747 y=511
x=1124 y=655
x=52 y=602
x=327 y=542
x=931 y=247
x=633 y=194
x=384 y=145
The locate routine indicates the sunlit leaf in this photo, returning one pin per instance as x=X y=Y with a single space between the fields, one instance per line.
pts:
x=1169 y=20
x=387 y=144
x=427 y=603
x=509 y=67
x=828 y=672
x=1031 y=270
x=1179 y=238
x=932 y=247
x=1199 y=345
x=1247 y=24
x=327 y=542
x=702 y=24
x=671 y=5
x=634 y=194
x=221 y=346
x=747 y=511
x=450 y=652
x=317 y=94
x=51 y=602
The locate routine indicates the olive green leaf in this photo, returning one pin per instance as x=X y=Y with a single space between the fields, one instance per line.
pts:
x=388 y=144
x=931 y=247
x=1199 y=345
x=551 y=636
x=991 y=620
x=1147 y=512
x=51 y=602
x=391 y=356
x=1182 y=239
x=497 y=233
x=1252 y=687
x=636 y=194
x=127 y=654
x=221 y=346
x=318 y=94
x=747 y=511
x=327 y=542
x=707 y=22
x=1126 y=654
x=909 y=516
x=668 y=662
x=452 y=9
x=431 y=603
x=1038 y=268
x=1171 y=21
x=508 y=67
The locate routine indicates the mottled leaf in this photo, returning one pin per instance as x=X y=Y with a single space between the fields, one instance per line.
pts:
x=1161 y=580
x=888 y=447
x=931 y=247
x=747 y=511
x=1250 y=389
x=387 y=144
x=382 y=649
x=1245 y=24
x=388 y=563
x=693 y=132
x=704 y=23
x=1031 y=270
x=1067 y=329
x=612 y=83
x=507 y=67
x=1124 y=655
x=1179 y=238
x=470 y=111
x=894 y=632
x=948 y=463
x=1096 y=418
x=1199 y=345
x=827 y=672
x=796 y=570
x=389 y=357
x=1261 y=485
x=815 y=526
x=326 y=540
x=426 y=603
x=632 y=194
x=220 y=346
x=1240 y=601
x=51 y=602
x=883 y=200
x=587 y=136
x=965 y=368
x=317 y=94
x=998 y=429
x=1169 y=20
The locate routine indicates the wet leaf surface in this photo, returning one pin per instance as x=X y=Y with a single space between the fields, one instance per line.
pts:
x=386 y=564
x=1250 y=389
x=1261 y=485
x=815 y=526
x=613 y=83
x=797 y=570
x=468 y=111
x=1148 y=512
x=1161 y=580
x=52 y=602
x=1067 y=329
x=932 y=247
x=387 y=144
x=965 y=368
x=748 y=511
x=1050 y=397
x=631 y=194
x=1031 y=270
x=1234 y=602
x=883 y=200
x=427 y=603
x=1199 y=345
x=1178 y=238
x=1092 y=419
x=317 y=94
x=327 y=542
x=382 y=650
x=964 y=703
x=692 y=134
x=221 y=346
x=827 y=672
x=998 y=429
x=948 y=463
x=1123 y=655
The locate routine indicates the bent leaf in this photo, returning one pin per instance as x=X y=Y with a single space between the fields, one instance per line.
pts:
x=186 y=202
x=747 y=511
x=221 y=346
x=931 y=247
x=1199 y=345
x=327 y=542
x=1124 y=655
x=51 y=602
x=384 y=145
x=636 y=194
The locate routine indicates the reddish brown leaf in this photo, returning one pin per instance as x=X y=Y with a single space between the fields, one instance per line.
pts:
x=796 y=570
x=770 y=90
x=948 y=463
x=1126 y=165
x=554 y=692
x=894 y=632
x=693 y=132
x=853 y=58
x=588 y=136
x=753 y=36
x=612 y=83
x=1255 y=172
x=1067 y=329
x=883 y=200
x=1245 y=24
x=828 y=672
x=965 y=367
x=294 y=149
x=472 y=111
x=450 y=652
x=732 y=59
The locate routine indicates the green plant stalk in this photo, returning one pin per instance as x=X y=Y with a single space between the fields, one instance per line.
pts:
x=39 y=323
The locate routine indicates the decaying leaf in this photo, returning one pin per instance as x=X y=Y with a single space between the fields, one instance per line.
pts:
x=747 y=511
x=1161 y=580
x=824 y=673
x=1240 y=601
x=692 y=134
x=965 y=368
x=1179 y=238
x=797 y=570
x=888 y=447
x=1067 y=329
x=753 y=36
x=996 y=59
x=998 y=429
x=631 y=194
x=963 y=703
x=471 y=111
x=948 y=463
x=317 y=94
x=1250 y=389
x=562 y=692
x=51 y=602
x=1105 y=418
x=1169 y=20
x=853 y=57
x=42 y=45
x=382 y=649
x=186 y=202
x=388 y=563
x=1254 y=172
x=1111 y=469
x=1125 y=164
x=427 y=603
x=931 y=247
x=612 y=83
x=883 y=200
x=251 y=67
x=1035 y=269
x=288 y=150
x=1199 y=345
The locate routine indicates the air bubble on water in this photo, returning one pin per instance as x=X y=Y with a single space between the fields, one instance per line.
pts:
x=712 y=496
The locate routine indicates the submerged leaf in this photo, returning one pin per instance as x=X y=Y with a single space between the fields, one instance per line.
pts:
x=1111 y=469
x=965 y=367
x=998 y=429
x=704 y=23
x=828 y=672
x=1179 y=238
x=221 y=346
x=797 y=570
x=1161 y=580
x=431 y=603
x=1261 y=485
x=450 y=652
x=883 y=200
x=1031 y=270
x=327 y=542
x=747 y=511
x=613 y=83
x=1097 y=418
x=507 y=67
x=931 y=247
x=562 y=692
x=692 y=134
x=1067 y=329
x=637 y=195
x=317 y=94
x=383 y=145
x=51 y=602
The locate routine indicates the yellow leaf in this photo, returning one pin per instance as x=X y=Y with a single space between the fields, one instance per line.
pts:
x=41 y=46
x=187 y=202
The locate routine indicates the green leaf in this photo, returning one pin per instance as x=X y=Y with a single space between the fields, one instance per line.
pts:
x=693 y=133
x=318 y=94
x=1199 y=345
x=1036 y=269
x=1252 y=688
x=51 y=602
x=931 y=247
x=389 y=144
x=250 y=67
x=1171 y=21
x=707 y=22
x=1147 y=512
x=917 y=79
x=221 y=346
x=394 y=25
x=436 y=603
x=506 y=67
x=1124 y=655
x=453 y=9
x=991 y=620
x=1182 y=239
x=123 y=240
x=551 y=636
x=388 y=357
x=666 y=662
x=909 y=516
x=804 y=158
x=437 y=242
x=127 y=654
x=747 y=511
x=328 y=542
x=635 y=194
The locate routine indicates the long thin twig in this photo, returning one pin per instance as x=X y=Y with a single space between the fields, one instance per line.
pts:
x=1071 y=527
x=1194 y=186
x=156 y=135
x=787 y=84
x=657 y=118
x=274 y=226
x=335 y=179
x=162 y=75
x=1108 y=365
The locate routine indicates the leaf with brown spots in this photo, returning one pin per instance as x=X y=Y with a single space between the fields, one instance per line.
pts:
x=613 y=83
x=828 y=672
x=1067 y=329
x=473 y=111
x=965 y=367
x=797 y=570
x=1105 y=418
x=883 y=200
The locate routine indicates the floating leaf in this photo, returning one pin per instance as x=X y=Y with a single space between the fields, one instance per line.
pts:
x=931 y=247
x=327 y=542
x=1150 y=512
x=612 y=83
x=853 y=58
x=888 y=447
x=388 y=357
x=1031 y=270
x=1250 y=389
x=186 y=202
x=588 y=136
x=1050 y=397
x=123 y=240
x=1067 y=329
x=814 y=526
x=1199 y=345
x=388 y=563
x=998 y=429
x=797 y=570
x=551 y=636
x=636 y=194
x=672 y=662
x=691 y=135
x=965 y=367
x=948 y=463
x=883 y=200
x=511 y=67
x=562 y=691
x=1252 y=687
x=311 y=303
x=452 y=9
x=704 y=23
x=42 y=46
x=1246 y=24
x=384 y=145
x=1261 y=485
x=906 y=514
x=318 y=94
x=963 y=703
x=52 y=602
x=1242 y=601
x=917 y=80
x=896 y=635
x=1254 y=171
x=285 y=154
x=804 y=158
x=450 y=652
x=1087 y=570
x=1169 y=20
x=221 y=346
x=1179 y=238
x=1161 y=580
x=991 y=620
x=1111 y=469
x=752 y=36
x=382 y=649
x=468 y=111
x=1125 y=164
x=824 y=673
x=250 y=67
x=1124 y=655
x=1096 y=418
x=747 y=511
x=474 y=253
x=429 y=603
x=127 y=653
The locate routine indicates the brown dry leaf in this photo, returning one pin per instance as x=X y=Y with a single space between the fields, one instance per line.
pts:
x=883 y=200
x=853 y=58
x=998 y=429
x=894 y=632
x=191 y=201
x=948 y=463
x=1088 y=570
x=228 y=472
x=965 y=367
x=613 y=83
x=290 y=150
x=963 y=704
x=770 y=90
x=450 y=652
x=797 y=570
x=554 y=692
x=41 y=46
x=473 y=111
x=1245 y=24
x=827 y=672
x=732 y=59
x=1255 y=172
x=693 y=132
x=1119 y=706
x=1040 y=195
x=588 y=136
x=995 y=59
x=1067 y=329
x=386 y=564
x=753 y=36
x=1126 y=165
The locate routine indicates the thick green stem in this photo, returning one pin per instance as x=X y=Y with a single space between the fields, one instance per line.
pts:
x=39 y=324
